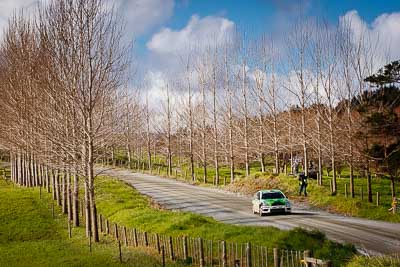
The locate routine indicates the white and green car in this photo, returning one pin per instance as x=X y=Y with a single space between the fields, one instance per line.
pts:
x=270 y=201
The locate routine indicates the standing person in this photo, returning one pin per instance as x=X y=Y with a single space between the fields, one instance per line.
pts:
x=303 y=184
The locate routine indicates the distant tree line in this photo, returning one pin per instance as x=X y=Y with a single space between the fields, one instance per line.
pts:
x=245 y=102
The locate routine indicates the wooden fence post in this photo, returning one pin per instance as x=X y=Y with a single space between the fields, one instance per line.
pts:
x=377 y=198
x=307 y=254
x=90 y=241
x=163 y=255
x=185 y=248
x=146 y=240
x=224 y=261
x=52 y=209
x=248 y=255
x=125 y=236
x=276 y=258
x=69 y=229
x=171 y=248
x=116 y=231
x=120 y=251
x=135 y=240
x=201 y=252
x=100 y=223
x=345 y=190
x=158 y=243
x=107 y=227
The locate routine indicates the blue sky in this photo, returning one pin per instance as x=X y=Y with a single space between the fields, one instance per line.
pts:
x=268 y=15
x=164 y=29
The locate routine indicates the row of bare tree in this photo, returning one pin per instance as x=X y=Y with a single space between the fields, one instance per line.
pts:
x=62 y=70
x=247 y=101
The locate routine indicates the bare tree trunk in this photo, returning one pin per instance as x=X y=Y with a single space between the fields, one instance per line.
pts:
x=93 y=209
x=246 y=120
x=46 y=170
x=392 y=186
x=69 y=197
x=304 y=135
x=216 y=163
x=88 y=225
x=369 y=186
x=169 y=117
x=148 y=136
x=276 y=142
x=333 y=162
x=75 y=198
x=129 y=154
x=64 y=192
x=190 y=111
x=203 y=130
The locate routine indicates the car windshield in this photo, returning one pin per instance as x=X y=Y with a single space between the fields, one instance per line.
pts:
x=272 y=195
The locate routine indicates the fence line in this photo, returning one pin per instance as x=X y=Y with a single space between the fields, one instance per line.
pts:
x=202 y=252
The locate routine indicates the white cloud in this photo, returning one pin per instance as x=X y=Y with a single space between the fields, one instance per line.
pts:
x=197 y=34
x=383 y=31
x=140 y=15
x=144 y=15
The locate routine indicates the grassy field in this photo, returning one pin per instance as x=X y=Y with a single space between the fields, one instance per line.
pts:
x=122 y=204
x=29 y=236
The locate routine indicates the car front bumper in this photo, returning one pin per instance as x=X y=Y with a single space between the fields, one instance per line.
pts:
x=275 y=209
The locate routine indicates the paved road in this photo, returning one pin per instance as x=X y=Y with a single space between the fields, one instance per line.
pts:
x=369 y=236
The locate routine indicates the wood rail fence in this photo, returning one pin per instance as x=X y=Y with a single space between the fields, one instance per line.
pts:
x=202 y=252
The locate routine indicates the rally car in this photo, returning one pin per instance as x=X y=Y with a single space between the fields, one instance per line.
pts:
x=270 y=201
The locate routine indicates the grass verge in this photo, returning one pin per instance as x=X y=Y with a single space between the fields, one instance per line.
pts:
x=122 y=204
x=29 y=236
x=378 y=261
x=320 y=197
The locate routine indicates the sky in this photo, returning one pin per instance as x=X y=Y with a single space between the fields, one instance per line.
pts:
x=164 y=29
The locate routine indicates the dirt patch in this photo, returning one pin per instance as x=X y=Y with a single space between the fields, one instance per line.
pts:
x=156 y=205
x=250 y=185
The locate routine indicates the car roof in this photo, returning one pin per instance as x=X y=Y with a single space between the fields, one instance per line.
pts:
x=271 y=191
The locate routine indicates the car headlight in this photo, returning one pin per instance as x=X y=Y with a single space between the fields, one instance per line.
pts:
x=288 y=204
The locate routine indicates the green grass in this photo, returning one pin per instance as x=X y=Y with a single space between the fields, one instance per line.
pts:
x=378 y=261
x=321 y=197
x=29 y=236
x=122 y=204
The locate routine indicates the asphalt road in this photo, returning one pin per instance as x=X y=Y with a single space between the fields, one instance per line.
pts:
x=373 y=237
